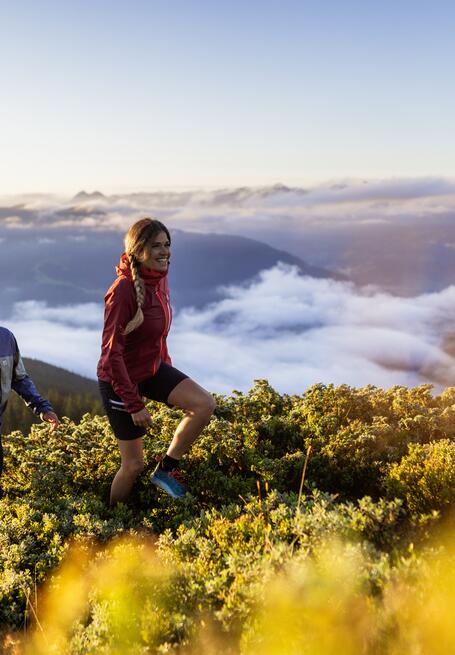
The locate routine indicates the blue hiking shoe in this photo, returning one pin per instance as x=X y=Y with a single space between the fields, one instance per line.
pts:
x=171 y=482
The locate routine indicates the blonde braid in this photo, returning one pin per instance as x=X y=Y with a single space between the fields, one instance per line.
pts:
x=136 y=240
x=139 y=287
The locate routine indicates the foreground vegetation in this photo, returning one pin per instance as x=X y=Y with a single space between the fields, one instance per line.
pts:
x=253 y=561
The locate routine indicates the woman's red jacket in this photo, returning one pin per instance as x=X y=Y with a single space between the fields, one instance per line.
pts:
x=127 y=360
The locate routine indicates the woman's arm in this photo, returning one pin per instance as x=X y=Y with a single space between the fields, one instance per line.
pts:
x=120 y=307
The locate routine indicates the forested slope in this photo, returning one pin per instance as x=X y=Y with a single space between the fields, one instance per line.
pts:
x=71 y=395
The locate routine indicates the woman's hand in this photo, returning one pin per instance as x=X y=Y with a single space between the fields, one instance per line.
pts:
x=142 y=418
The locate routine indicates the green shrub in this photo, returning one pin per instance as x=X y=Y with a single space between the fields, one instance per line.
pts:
x=363 y=443
x=425 y=478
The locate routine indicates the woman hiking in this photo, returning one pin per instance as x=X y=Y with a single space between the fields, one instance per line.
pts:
x=135 y=362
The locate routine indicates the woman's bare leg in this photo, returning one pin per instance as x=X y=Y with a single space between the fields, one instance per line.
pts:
x=198 y=405
x=132 y=453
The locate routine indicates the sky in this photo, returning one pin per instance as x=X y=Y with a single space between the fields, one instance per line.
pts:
x=121 y=96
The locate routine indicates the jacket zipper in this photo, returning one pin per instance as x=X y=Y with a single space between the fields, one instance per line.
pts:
x=166 y=323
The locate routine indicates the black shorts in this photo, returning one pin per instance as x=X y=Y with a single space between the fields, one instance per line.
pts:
x=157 y=388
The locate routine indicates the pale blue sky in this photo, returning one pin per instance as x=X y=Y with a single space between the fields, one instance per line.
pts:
x=122 y=96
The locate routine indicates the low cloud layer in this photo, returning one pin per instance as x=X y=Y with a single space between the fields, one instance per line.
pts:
x=293 y=330
x=231 y=210
x=64 y=336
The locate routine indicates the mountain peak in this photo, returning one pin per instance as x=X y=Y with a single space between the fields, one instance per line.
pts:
x=83 y=196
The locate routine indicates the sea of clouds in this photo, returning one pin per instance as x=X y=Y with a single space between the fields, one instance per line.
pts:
x=294 y=331
x=239 y=210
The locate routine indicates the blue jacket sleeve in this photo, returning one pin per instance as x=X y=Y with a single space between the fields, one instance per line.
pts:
x=23 y=385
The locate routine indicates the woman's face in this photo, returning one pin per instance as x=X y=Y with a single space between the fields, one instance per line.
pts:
x=157 y=253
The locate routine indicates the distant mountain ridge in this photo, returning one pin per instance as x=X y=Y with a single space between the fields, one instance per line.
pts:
x=202 y=263
x=219 y=195
x=83 y=196
x=395 y=234
x=48 y=376
x=65 y=268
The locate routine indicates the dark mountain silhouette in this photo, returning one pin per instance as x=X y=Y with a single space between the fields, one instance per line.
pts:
x=48 y=376
x=64 y=267
x=203 y=262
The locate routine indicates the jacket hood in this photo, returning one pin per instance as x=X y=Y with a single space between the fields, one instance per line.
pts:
x=148 y=275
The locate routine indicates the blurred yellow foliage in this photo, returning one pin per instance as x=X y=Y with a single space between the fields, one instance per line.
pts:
x=315 y=605
x=126 y=580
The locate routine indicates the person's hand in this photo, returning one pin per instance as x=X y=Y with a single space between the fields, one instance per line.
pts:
x=52 y=418
x=142 y=418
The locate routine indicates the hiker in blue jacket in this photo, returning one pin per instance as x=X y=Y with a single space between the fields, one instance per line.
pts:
x=14 y=376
